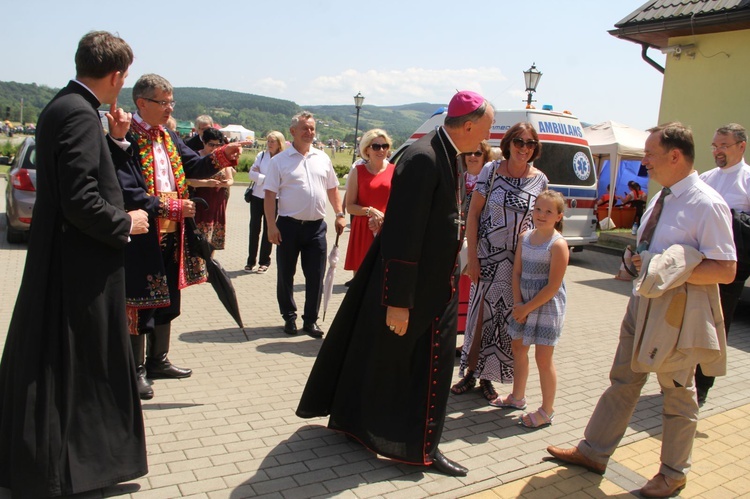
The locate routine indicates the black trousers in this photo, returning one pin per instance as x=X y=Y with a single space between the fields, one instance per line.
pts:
x=305 y=239
x=258 y=219
x=730 y=296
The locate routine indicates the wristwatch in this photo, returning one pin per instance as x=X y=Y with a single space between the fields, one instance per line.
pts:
x=340 y=215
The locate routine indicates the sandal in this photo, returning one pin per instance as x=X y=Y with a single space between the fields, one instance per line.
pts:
x=262 y=269
x=467 y=383
x=249 y=269
x=509 y=402
x=488 y=391
x=536 y=419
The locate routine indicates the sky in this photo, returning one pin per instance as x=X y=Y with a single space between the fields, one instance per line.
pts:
x=325 y=51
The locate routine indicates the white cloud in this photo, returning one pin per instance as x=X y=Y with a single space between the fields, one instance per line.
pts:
x=396 y=87
x=269 y=86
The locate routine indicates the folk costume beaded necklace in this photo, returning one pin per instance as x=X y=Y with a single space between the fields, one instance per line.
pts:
x=146 y=139
x=460 y=187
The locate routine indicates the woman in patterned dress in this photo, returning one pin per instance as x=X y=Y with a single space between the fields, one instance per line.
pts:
x=499 y=212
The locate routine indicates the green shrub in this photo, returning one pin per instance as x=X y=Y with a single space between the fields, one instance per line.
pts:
x=8 y=149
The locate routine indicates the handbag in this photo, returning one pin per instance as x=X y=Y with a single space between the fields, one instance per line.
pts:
x=463 y=254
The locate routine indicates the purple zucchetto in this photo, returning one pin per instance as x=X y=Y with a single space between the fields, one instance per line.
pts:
x=463 y=103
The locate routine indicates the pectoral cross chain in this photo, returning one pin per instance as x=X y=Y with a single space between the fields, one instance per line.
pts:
x=459 y=225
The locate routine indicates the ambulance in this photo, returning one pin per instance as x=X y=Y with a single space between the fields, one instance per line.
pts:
x=565 y=159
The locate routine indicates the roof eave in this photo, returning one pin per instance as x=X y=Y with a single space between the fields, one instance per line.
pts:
x=657 y=34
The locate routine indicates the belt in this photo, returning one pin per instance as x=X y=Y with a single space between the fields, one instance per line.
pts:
x=167 y=226
x=301 y=222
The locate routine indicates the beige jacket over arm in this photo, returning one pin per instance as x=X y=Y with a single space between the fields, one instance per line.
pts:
x=678 y=325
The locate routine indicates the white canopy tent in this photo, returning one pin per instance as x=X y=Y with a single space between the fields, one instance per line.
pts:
x=615 y=142
x=237 y=132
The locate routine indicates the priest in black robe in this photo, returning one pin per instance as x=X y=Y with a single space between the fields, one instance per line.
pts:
x=383 y=372
x=70 y=417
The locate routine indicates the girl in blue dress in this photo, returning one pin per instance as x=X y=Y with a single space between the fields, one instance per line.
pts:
x=539 y=306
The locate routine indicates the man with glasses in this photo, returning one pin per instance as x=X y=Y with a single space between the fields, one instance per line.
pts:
x=202 y=123
x=731 y=179
x=153 y=165
x=690 y=213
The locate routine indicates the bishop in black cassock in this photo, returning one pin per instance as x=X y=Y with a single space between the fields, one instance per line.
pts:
x=382 y=379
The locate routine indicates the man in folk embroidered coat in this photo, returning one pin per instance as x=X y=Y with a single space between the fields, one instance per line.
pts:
x=153 y=164
x=70 y=418
x=384 y=371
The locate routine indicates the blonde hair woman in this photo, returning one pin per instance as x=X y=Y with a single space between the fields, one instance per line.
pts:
x=275 y=143
x=367 y=191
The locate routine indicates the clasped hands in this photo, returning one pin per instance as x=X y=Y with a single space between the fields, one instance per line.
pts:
x=375 y=220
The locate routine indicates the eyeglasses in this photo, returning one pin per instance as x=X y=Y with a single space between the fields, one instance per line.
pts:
x=520 y=143
x=162 y=103
x=715 y=148
x=378 y=147
x=214 y=144
x=476 y=154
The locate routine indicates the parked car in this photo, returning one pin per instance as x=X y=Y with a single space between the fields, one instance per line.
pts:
x=20 y=193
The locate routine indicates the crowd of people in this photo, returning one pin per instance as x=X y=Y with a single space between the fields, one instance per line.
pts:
x=120 y=201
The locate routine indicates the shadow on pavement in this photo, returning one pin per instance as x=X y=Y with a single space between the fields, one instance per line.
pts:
x=610 y=285
x=313 y=456
x=160 y=407
x=231 y=335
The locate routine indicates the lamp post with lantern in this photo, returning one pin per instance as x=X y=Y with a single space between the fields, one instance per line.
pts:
x=531 y=76
x=358 y=100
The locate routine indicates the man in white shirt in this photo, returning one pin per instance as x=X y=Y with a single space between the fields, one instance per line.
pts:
x=731 y=179
x=302 y=177
x=686 y=212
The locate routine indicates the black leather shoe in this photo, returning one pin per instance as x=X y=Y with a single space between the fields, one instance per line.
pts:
x=163 y=369
x=446 y=466
x=313 y=330
x=145 y=392
x=290 y=326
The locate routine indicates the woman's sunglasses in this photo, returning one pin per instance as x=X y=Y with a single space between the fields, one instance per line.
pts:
x=378 y=147
x=476 y=154
x=520 y=143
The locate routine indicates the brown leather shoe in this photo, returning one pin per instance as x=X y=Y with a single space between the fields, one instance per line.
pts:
x=574 y=456
x=662 y=486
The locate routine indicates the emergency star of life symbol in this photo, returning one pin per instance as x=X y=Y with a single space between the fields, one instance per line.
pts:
x=581 y=166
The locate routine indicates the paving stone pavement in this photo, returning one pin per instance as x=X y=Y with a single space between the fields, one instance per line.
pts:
x=230 y=431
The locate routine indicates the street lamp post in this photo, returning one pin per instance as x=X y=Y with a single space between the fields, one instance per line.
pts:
x=531 y=76
x=358 y=100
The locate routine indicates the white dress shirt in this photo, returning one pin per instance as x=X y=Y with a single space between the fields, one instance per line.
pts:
x=301 y=182
x=163 y=175
x=696 y=215
x=732 y=183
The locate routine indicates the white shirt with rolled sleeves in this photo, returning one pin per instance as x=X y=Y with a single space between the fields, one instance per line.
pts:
x=696 y=215
x=301 y=182
x=732 y=183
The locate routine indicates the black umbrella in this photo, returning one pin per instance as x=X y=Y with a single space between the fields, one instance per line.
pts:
x=217 y=276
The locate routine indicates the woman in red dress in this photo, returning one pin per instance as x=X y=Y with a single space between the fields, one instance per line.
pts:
x=367 y=191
